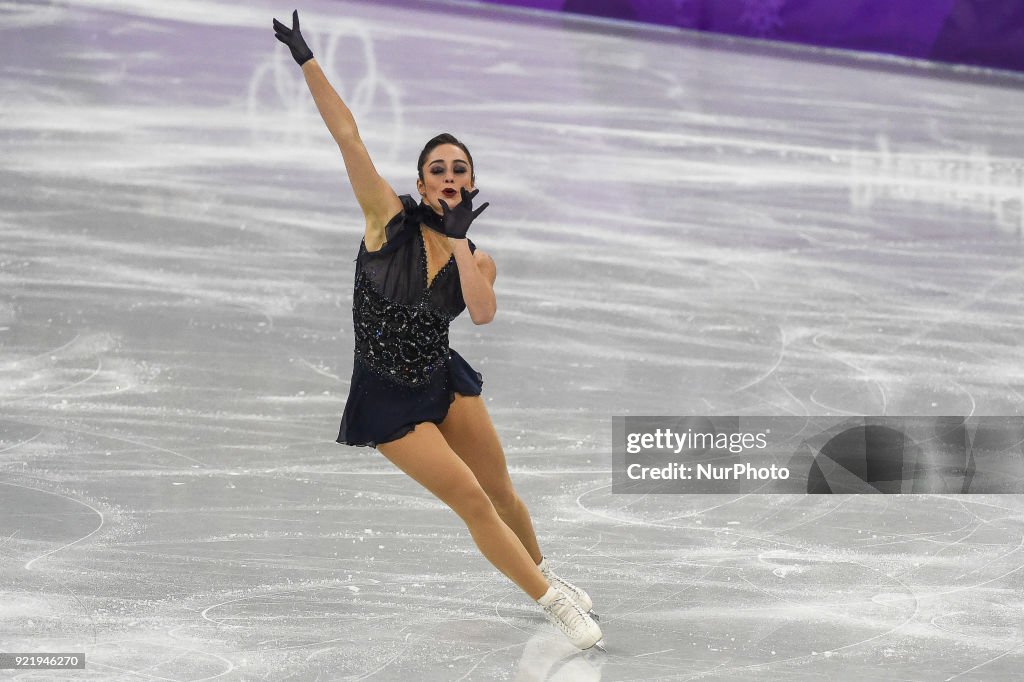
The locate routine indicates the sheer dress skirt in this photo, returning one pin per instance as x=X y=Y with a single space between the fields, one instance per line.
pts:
x=379 y=411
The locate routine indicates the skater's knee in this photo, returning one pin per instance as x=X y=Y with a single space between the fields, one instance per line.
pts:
x=504 y=499
x=472 y=504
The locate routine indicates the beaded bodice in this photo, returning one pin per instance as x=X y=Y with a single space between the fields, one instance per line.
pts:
x=406 y=343
x=401 y=323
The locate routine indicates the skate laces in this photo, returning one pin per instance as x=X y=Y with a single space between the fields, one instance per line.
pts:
x=581 y=598
x=565 y=611
x=565 y=586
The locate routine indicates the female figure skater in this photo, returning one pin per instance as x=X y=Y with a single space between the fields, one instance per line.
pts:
x=412 y=397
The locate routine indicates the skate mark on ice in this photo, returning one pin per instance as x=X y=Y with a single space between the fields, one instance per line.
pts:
x=771 y=370
x=24 y=442
x=15 y=363
x=95 y=372
x=229 y=665
x=984 y=663
x=319 y=371
x=120 y=439
x=28 y=566
x=807 y=657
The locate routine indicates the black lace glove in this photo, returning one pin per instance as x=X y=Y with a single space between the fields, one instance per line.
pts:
x=456 y=220
x=292 y=37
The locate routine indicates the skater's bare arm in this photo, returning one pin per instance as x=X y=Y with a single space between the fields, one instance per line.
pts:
x=477 y=273
x=378 y=201
x=375 y=196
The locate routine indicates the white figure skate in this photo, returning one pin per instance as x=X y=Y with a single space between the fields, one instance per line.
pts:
x=581 y=598
x=575 y=623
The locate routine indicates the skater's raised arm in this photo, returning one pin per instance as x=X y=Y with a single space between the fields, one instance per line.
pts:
x=375 y=196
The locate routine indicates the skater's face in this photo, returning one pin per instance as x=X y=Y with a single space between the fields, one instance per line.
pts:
x=445 y=172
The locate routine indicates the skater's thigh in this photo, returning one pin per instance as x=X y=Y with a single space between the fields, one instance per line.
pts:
x=425 y=455
x=471 y=434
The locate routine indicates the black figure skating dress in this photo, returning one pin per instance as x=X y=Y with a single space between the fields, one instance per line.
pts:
x=404 y=372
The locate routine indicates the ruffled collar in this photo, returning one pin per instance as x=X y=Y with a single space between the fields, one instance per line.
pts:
x=429 y=218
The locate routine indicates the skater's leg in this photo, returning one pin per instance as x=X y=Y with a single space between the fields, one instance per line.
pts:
x=425 y=456
x=471 y=434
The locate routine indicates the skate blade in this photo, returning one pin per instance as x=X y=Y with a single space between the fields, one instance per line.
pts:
x=599 y=644
x=594 y=615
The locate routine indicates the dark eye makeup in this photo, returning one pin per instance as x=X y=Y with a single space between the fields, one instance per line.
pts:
x=437 y=170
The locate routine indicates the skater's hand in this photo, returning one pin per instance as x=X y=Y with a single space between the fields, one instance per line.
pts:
x=292 y=37
x=456 y=220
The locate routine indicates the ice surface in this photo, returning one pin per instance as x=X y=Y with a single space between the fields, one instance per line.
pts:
x=681 y=225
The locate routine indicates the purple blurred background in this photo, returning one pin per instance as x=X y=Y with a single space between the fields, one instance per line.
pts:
x=978 y=32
